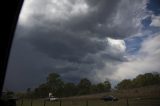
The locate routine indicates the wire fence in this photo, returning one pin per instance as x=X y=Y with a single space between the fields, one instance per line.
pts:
x=121 y=102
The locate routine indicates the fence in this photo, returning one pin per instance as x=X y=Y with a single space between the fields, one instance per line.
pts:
x=121 y=102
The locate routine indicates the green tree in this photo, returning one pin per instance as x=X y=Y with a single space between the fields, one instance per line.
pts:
x=55 y=84
x=70 y=89
x=103 y=87
x=146 y=79
x=124 y=84
x=100 y=87
x=93 y=89
x=140 y=81
x=107 y=85
x=84 y=86
x=42 y=90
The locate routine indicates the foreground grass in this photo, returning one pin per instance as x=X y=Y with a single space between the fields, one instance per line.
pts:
x=144 y=96
x=96 y=102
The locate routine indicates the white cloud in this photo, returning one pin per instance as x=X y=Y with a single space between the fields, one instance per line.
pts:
x=146 y=60
x=115 y=49
x=25 y=12
x=128 y=16
x=116 y=46
x=54 y=10
x=155 y=21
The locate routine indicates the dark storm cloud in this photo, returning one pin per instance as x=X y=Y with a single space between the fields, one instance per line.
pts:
x=56 y=38
x=102 y=10
x=71 y=39
x=23 y=68
x=102 y=18
x=63 y=44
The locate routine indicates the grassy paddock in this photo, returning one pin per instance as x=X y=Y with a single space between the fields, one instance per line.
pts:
x=92 y=102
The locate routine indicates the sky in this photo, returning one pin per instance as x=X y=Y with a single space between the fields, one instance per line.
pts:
x=95 y=39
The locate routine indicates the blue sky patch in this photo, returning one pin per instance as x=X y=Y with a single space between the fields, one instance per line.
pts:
x=154 y=6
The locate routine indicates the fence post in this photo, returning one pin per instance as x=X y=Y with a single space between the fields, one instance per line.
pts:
x=87 y=103
x=44 y=102
x=22 y=102
x=31 y=102
x=127 y=102
x=60 y=104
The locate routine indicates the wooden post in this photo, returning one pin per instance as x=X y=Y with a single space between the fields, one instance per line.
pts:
x=31 y=102
x=44 y=102
x=60 y=104
x=87 y=103
x=22 y=102
x=127 y=102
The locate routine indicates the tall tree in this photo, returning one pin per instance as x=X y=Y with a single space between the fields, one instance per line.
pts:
x=124 y=84
x=70 y=89
x=84 y=86
x=103 y=87
x=107 y=85
x=140 y=81
x=55 y=84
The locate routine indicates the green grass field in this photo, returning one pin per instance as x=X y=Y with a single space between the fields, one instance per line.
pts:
x=121 y=102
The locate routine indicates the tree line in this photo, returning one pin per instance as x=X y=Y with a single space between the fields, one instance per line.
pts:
x=141 y=80
x=59 y=88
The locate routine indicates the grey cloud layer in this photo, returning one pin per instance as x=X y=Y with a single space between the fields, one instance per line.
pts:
x=101 y=18
x=70 y=37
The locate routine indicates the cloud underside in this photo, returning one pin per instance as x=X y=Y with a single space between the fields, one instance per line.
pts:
x=77 y=39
